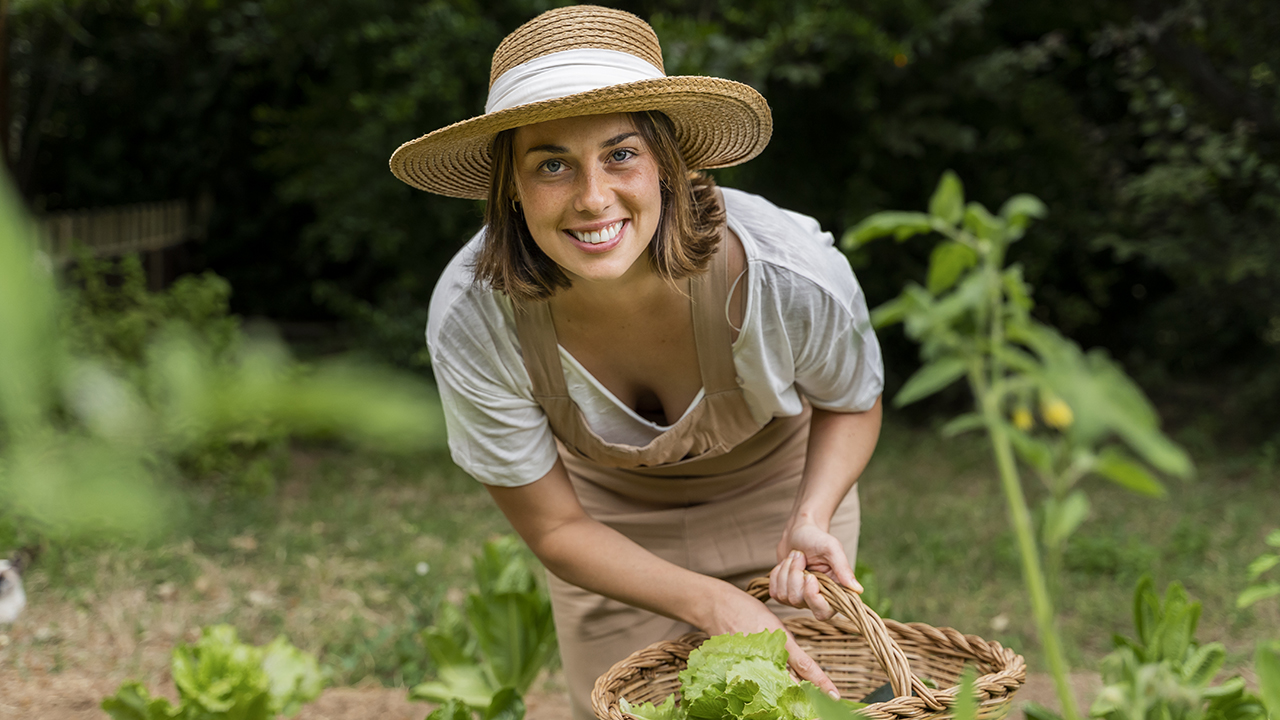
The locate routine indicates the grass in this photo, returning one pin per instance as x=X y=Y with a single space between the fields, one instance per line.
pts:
x=935 y=530
x=348 y=558
x=351 y=553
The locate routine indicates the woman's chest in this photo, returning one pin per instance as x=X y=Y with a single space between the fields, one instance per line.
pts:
x=649 y=364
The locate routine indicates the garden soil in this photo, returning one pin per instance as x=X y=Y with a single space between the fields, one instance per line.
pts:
x=62 y=658
x=73 y=695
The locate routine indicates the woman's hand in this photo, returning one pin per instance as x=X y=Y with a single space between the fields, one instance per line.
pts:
x=840 y=445
x=806 y=546
x=738 y=612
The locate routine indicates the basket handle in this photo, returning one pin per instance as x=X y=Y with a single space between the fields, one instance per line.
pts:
x=890 y=656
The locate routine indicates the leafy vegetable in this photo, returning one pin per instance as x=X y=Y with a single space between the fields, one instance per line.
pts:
x=488 y=657
x=220 y=678
x=735 y=676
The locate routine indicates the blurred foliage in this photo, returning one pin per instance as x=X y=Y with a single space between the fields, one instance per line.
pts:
x=108 y=313
x=1149 y=127
x=90 y=437
x=489 y=653
x=221 y=677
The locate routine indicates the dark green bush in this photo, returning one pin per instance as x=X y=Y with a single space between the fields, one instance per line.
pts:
x=109 y=313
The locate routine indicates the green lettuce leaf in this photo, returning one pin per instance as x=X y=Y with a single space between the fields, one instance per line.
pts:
x=668 y=710
x=743 y=677
x=133 y=702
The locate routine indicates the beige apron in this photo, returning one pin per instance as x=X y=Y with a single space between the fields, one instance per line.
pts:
x=711 y=494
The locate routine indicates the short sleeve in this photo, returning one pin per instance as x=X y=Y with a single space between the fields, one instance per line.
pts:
x=494 y=435
x=497 y=431
x=838 y=364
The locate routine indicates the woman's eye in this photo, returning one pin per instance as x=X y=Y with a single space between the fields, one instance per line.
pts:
x=621 y=155
x=552 y=166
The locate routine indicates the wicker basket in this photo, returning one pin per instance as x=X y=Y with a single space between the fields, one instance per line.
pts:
x=860 y=652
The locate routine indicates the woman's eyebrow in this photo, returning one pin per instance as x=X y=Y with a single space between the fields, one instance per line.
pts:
x=548 y=148
x=618 y=139
x=562 y=150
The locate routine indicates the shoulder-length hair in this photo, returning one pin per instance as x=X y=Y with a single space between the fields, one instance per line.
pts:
x=687 y=235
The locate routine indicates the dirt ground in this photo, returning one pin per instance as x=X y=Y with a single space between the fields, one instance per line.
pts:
x=75 y=696
x=63 y=658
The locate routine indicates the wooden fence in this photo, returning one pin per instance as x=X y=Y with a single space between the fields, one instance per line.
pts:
x=111 y=232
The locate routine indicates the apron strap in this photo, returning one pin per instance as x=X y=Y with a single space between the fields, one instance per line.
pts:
x=712 y=334
x=537 y=335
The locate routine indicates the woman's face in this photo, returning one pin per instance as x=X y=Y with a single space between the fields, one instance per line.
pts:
x=591 y=194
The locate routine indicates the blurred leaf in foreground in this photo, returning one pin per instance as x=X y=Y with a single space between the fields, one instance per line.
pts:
x=85 y=444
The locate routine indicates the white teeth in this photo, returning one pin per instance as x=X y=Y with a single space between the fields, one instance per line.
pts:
x=603 y=235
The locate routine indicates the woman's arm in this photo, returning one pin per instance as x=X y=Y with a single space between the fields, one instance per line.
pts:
x=591 y=555
x=840 y=445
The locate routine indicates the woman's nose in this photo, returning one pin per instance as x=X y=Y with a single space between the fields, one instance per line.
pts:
x=595 y=194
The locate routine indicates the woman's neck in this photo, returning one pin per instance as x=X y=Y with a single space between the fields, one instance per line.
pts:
x=639 y=291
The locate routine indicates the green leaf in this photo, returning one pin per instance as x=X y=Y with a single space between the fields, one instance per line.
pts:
x=930 y=379
x=515 y=634
x=963 y=424
x=901 y=225
x=1257 y=593
x=219 y=673
x=510 y=617
x=1016 y=288
x=506 y=705
x=966 y=707
x=1203 y=664
x=464 y=683
x=947 y=263
x=829 y=708
x=1018 y=211
x=451 y=710
x=294 y=676
x=709 y=663
x=979 y=221
x=1103 y=399
x=1273 y=538
x=668 y=710
x=1114 y=465
x=890 y=313
x=1035 y=711
x=1262 y=564
x=947 y=203
x=1062 y=518
x=1146 y=609
x=1033 y=452
x=1175 y=627
x=1017 y=359
x=1266 y=662
x=448 y=641
x=133 y=702
x=502 y=567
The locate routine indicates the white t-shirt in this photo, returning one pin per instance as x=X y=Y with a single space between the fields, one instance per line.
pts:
x=805 y=331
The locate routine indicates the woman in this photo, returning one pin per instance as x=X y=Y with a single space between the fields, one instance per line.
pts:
x=668 y=389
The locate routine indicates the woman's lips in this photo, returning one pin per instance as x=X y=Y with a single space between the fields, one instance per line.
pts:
x=599 y=241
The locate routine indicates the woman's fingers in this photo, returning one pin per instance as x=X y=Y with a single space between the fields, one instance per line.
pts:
x=806 y=669
x=787 y=580
x=814 y=601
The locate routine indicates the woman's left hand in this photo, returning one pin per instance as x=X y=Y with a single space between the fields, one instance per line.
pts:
x=808 y=547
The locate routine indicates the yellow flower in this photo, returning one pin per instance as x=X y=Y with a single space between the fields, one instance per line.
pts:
x=1022 y=419
x=1056 y=413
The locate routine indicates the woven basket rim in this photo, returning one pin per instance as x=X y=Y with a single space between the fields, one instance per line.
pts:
x=1003 y=671
x=992 y=688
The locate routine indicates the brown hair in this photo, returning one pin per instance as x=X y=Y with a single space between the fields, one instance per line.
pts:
x=687 y=234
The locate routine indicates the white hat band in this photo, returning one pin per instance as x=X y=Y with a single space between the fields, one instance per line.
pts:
x=567 y=72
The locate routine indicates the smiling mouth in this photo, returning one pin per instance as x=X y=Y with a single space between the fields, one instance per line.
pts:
x=603 y=235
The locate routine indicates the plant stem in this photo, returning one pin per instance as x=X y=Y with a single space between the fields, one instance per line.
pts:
x=1020 y=516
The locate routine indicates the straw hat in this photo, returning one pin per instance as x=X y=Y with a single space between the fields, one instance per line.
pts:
x=586 y=60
